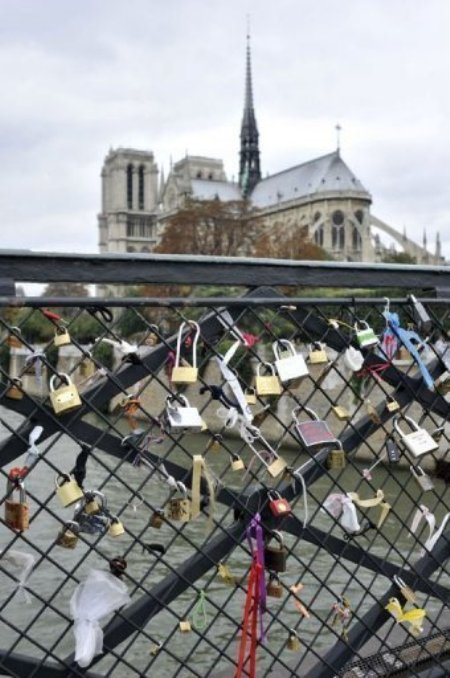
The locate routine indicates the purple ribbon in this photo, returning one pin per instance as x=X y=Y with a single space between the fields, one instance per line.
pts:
x=255 y=531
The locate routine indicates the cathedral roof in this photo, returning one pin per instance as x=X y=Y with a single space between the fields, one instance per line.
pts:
x=329 y=173
x=205 y=189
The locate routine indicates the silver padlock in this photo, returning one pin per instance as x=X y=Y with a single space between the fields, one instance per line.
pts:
x=182 y=417
x=313 y=432
x=291 y=365
x=423 y=479
x=418 y=442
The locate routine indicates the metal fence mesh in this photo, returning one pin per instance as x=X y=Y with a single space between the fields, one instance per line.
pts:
x=326 y=609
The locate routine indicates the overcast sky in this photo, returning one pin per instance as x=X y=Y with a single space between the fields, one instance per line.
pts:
x=81 y=76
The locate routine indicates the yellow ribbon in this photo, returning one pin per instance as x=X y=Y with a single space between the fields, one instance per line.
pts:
x=198 y=467
x=413 y=617
x=377 y=500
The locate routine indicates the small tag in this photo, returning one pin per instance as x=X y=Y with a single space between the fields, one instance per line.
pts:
x=392 y=451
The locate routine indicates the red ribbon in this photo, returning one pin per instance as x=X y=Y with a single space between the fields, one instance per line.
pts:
x=250 y=621
x=50 y=315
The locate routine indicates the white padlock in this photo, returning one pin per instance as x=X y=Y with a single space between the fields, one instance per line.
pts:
x=182 y=417
x=292 y=366
x=419 y=441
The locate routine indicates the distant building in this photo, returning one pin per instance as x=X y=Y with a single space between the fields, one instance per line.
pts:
x=321 y=196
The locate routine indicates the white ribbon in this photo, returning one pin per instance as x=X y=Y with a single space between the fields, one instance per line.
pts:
x=24 y=562
x=122 y=345
x=99 y=595
x=233 y=382
x=424 y=513
x=33 y=452
x=341 y=507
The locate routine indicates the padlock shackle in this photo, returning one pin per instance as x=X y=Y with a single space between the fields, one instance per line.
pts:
x=412 y=424
x=66 y=479
x=283 y=342
x=267 y=365
x=196 y=326
x=276 y=534
x=61 y=375
x=171 y=398
x=308 y=410
x=274 y=494
x=361 y=322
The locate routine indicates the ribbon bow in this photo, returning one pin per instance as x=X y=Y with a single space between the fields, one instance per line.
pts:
x=413 y=617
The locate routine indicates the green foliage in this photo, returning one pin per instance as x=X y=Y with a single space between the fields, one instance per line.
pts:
x=104 y=354
x=130 y=323
x=398 y=258
x=4 y=361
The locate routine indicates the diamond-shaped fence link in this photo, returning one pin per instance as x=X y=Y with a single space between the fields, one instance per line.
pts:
x=242 y=486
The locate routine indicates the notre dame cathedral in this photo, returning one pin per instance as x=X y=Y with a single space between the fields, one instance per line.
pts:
x=321 y=194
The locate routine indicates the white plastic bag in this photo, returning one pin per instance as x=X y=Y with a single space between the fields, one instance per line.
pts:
x=98 y=596
x=24 y=562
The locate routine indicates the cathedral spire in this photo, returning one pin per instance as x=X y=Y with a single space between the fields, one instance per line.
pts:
x=249 y=169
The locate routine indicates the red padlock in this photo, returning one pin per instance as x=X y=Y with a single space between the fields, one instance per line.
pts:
x=280 y=507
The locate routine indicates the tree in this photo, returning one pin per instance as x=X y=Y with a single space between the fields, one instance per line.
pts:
x=280 y=243
x=211 y=227
x=398 y=258
x=65 y=289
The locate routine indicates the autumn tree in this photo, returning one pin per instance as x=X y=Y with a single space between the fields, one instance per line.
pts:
x=65 y=289
x=279 y=242
x=213 y=228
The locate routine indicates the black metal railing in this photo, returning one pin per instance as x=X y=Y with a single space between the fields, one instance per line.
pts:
x=164 y=508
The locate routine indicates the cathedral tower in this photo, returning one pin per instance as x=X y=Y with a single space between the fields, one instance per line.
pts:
x=249 y=169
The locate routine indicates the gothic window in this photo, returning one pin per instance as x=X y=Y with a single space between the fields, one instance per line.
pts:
x=356 y=239
x=199 y=175
x=318 y=236
x=130 y=249
x=141 y=187
x=338 y=218
x=359 y=214
x=130 y=187
x=317 y=216
x=145 y=249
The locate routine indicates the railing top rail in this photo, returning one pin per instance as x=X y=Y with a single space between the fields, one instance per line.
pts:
x=134 y=269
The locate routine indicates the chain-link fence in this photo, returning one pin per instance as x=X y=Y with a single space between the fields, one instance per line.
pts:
x=246 y=485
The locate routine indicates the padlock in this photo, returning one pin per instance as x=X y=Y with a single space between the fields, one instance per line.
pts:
x=94 y=502
x=406 y=591
x=236 y=463
x=17 y=513
x=341 y=413
x=274 y=588
x=151 y=339
x=97 y=523
x=179 y=508
x=65 y=398
x=293 y=642
x=87 y=368
x=317 y=354
x=392 y=405
x=423 y=479
x=442 y=383
x=185 y=626
x=68 y=535
x=157 y=519
x=291 y=365
x=420 y=315
x=15 y=390
x=418 y=442
x=336 y=458
x=275 y=557
x=116 y=528
x=279 y=506
x=392 y=451
x=225 y=574
x=313 y=432
x=277 y=467
x=403 y=354
x=68 y=490
x=155 y=649
x=12 y=340
x=267 y=384
x=182 y=418
x=62 y=336
x=372 y=412
x=250 y=396
x=365 y=337
x=186 y=374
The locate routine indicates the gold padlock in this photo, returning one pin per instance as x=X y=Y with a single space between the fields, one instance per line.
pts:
x=267 y=384
x=185 y=626
x=293 y=642
x=391 y=404
x=15 y=390
x=157 y=519
x=277 y=467
x=372 y=412
x=62 y=336
x=65 y=398
x=341 y=413
x=87 y=368
x=336 y=458
x=91 y=504
x=68 y=490
x=17 y=513
x=68 y=535
x=317 y=354
x=12 y=340
x=116 y=528
x=186 y=374
x=250 y=396
x=274 y=587
x=236 y=463
x=179 y=509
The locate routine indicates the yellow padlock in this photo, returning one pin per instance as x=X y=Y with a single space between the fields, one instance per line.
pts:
x=116 y=528
x=62 y=336
x=67 y=489
x=64 y=398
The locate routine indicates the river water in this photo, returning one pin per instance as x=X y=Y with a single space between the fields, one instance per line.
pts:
x=324 y=579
